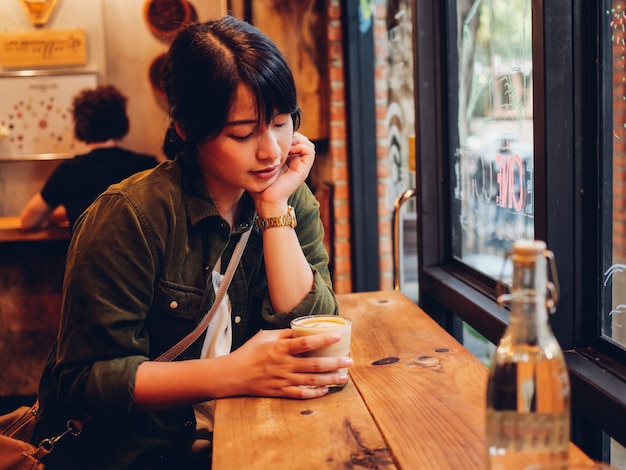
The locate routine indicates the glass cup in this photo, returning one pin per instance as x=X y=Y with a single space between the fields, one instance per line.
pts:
x=566 y=465
x=317 y=324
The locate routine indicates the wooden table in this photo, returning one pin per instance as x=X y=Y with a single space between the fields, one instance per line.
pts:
x=416 y=400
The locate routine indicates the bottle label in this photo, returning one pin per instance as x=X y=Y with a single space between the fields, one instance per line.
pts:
x=528 y=432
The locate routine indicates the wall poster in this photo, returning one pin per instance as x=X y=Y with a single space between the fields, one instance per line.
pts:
x=35 y=116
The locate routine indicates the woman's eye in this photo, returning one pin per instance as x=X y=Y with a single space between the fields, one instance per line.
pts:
x=241 y=137
x=281 y=122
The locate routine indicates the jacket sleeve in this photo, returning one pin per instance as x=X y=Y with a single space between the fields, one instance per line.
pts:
x=108 y=290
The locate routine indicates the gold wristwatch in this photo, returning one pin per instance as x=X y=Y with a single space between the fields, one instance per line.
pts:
x=285 y=220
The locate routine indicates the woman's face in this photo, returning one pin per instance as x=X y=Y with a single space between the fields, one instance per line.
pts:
x=246 y=155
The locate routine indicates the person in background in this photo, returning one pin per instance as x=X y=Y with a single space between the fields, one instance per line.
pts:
x=144 y=257
x=100 y=120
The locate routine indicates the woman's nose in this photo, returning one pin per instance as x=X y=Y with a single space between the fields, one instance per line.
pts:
x=268 y=146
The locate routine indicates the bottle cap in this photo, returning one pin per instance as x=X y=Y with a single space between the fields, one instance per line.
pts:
x=528 y=248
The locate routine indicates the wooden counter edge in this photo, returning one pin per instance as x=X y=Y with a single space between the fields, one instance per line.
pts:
x=11 y=231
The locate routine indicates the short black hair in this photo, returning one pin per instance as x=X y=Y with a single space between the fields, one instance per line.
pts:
x=207 y=62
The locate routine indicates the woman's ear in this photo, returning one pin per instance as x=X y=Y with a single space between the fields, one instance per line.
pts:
x=179 y=130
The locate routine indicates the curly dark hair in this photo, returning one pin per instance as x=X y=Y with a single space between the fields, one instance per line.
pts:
x=100 y=114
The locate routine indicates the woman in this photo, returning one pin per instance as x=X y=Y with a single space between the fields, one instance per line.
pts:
x=142 y=258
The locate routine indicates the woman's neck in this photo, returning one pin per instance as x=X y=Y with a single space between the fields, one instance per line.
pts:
x=226 y=198
x=228 y=209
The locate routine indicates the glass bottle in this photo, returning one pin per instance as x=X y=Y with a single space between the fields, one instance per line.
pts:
x=528 y=392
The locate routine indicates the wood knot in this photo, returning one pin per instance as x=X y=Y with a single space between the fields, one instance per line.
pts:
x=385 y=361
x=428 y=362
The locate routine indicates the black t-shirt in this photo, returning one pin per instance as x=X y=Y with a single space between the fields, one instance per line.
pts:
x=77 y=182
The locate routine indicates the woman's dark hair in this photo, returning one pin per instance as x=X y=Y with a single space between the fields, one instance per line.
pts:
x=100 y=114
x=206 y=63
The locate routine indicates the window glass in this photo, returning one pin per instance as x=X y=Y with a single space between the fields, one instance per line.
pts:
x=493 y=160
x=478 y=345
x=618 y=454
x=614 y=213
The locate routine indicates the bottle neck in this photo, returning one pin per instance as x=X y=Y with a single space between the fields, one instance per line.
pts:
x=529 y=314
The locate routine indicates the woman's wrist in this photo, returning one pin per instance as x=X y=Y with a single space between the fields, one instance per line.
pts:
x=271 y=209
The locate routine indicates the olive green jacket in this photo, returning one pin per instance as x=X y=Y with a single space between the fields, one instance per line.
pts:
x=137 y=280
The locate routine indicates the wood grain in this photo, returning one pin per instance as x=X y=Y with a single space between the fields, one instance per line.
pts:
x=332 y=432
x=430 y=403
x=299 y=30
x=416 y=400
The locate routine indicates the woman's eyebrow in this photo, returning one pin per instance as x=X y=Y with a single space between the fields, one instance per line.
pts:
x=240 y=122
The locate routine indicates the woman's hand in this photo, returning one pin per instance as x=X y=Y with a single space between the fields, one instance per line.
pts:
x=268 y=365
x=294 y=172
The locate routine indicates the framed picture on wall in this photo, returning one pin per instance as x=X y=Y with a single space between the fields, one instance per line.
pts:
x=36 y=119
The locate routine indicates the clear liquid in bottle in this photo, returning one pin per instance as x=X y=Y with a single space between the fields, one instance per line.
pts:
x=528 y=396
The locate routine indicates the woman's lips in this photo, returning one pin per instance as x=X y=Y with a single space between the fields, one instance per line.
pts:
x=266 y=173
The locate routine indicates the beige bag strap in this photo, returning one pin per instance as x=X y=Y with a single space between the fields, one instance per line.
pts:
x=188 y=340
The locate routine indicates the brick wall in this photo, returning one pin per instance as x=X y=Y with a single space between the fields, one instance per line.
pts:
x=619 y=136
x=381 y=91
x=619 y=183
x=338 y=152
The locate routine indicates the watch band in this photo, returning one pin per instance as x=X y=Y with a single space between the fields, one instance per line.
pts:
x=285 y=220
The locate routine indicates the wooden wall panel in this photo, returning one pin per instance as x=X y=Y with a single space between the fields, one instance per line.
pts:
x=298 y=27
x=31 y=281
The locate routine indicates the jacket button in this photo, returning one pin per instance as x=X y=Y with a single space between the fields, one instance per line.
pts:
x=237 y=319
x=173 y=304
x=188 y=423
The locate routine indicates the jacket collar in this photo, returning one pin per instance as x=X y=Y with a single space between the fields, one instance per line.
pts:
x=200 y=204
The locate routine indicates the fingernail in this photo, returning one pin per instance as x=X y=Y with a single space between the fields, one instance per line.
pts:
x=348 y=361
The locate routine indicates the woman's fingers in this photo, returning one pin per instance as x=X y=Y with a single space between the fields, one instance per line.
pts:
x=314 y=385
x=304 y=344
x=284 y=371
x=298 y=345
x=302 y=151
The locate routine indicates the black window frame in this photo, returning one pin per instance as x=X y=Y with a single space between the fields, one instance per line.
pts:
x=569 y=86
x=361 y=143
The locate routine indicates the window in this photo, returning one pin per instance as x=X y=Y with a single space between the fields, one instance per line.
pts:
x=614 y=167
x=493 y=162
x=521 y=133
